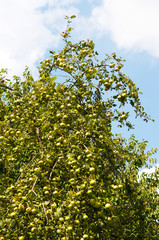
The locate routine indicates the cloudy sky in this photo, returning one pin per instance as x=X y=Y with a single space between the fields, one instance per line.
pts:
x=30 y=28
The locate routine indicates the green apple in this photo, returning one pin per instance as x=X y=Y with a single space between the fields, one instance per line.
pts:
x=85 y=216
x=54 y=205
x=92 y=201
x=21 y=207
x=77 y=170
x=97 y=204
x=92 y=169
x=93 y=181
x=28 y=209
x=108 y=205
x=46 y=192
x=58 y=230
x=33 y=229
x=13 y=214
x=61 y=219
x=111 y=65
x=55 y=192
x=58 y=115
x=21 y=238
x=89 y=191
x=69 y=228
x=77 y=221
x=78 y=193
x=85 y=236
x=67 y=218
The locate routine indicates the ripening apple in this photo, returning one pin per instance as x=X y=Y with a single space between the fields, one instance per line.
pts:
x=78 y=193
x=54 y=205
x=89 y=191
x=67 y=218
x=92 y=169
x=92 y=201
x=28 y=209
x=21 y=207
x=49 y=211
x=13 y=214
x=58 y=115
x=119 y=98
x=85 y=216
x=37 y=170
x=58 y=230
x=111 y=81
x=119 y=66
x=115 y=186
x=46 y=192
x=65 y=116
x=93 y=181
x=69 y=228
x=97 y=204
x=77 y=221
x=61 y=219
x=33 y=210
x=85 y=236
x=62 y=124
x=123 y=117
x=1 y=138
x=107 y=205
x=111 y=65
x=21 y=238
x=77 y=170
x=33 y=229
x=123 y=95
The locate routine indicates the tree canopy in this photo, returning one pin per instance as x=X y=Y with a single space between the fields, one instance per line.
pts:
x=63 y=173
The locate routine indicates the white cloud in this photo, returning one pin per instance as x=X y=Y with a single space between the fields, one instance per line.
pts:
x=28 y=28
x=62 y=3
x=132 y=24
x=22 y=34
x=149 y=171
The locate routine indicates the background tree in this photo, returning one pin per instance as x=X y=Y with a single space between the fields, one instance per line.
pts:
x=63 y=173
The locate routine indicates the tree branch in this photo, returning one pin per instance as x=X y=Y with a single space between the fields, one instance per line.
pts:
x=45 y=213
x=53 y=169
x=4 y=86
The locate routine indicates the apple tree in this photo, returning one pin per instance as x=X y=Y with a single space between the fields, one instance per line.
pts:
x=63 y=173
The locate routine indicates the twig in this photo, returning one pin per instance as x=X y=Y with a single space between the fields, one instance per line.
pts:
x=25 y=168
x=53 y=169
x=45 y=213
x=85 y=147
x=2 y=85
x=34 y=183
x=32 y=189
x=39 y=139
x=4 y=214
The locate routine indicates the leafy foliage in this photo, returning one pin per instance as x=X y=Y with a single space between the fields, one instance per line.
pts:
x=63 y=174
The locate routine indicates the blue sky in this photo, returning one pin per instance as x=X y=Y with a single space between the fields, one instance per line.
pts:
x=30 y=28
